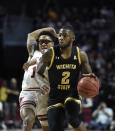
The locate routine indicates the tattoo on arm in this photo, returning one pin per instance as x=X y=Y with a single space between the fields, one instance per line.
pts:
x=86 y=68
x=31 y=47
x=44 y=62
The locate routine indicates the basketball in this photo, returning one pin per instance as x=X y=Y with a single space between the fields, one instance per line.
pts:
x=88 y=87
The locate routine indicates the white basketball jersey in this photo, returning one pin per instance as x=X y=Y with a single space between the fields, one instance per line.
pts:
x=29 y=82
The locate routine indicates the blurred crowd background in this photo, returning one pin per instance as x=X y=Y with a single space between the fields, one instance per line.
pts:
x=94 y=25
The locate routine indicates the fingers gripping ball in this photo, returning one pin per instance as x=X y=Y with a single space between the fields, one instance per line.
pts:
x=88 y=87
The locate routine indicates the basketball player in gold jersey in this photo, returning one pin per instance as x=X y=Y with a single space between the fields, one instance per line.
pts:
x=65 y=62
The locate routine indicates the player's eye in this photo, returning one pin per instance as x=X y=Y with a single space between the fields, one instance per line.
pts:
x=44 y=41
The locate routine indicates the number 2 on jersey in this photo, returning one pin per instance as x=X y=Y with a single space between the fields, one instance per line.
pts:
x=65 y=79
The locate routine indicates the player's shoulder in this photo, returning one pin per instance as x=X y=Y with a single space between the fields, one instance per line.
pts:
x=83 y=55
x=81 y=51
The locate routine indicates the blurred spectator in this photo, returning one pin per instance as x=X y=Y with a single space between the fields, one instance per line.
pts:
x=100 y=62
x=12 y=101
x=104 y=36
x=3 y=93
x=3 y=98
x=112 y=126
x=102 y=116
x=2 y=124
x=52 y=14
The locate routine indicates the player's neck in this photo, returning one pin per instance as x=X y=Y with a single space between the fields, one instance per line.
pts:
x=66 y=53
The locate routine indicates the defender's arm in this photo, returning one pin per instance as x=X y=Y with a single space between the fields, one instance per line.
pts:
x=29 y=63
x=34 y=35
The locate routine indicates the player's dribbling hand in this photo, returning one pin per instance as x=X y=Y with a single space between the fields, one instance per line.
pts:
x=92 y=75
x=45 y=90
x=89 y=75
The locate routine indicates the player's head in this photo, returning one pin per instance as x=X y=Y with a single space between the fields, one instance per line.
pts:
x=46 y=40
x=66 y=36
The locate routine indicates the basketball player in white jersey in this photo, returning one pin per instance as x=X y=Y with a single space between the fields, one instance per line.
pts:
x=32 y=103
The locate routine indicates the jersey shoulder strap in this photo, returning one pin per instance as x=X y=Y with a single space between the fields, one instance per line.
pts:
x=78 y=54
x=52 y=58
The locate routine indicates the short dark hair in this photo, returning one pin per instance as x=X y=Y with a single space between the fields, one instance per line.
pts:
x=54 y=39
x=69 y=27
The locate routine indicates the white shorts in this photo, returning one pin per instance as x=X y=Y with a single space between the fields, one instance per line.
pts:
x=36 y=102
